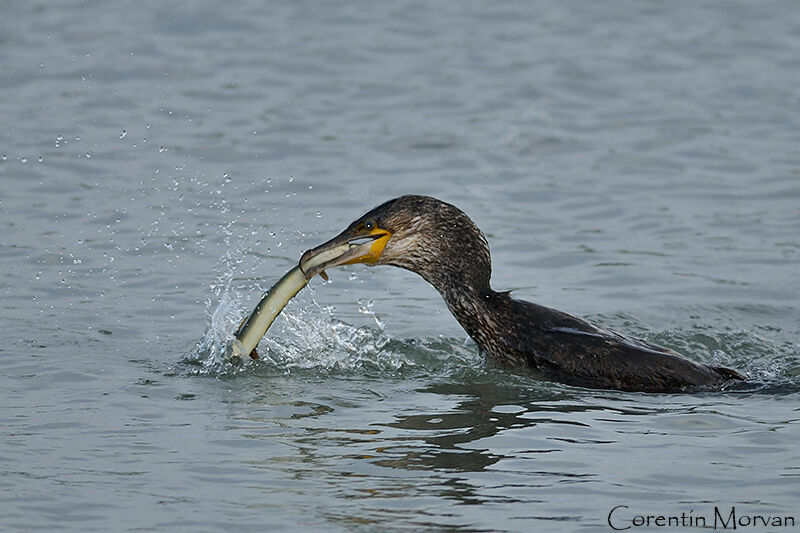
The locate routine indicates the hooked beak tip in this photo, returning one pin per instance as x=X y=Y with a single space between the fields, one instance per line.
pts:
x=343 y=251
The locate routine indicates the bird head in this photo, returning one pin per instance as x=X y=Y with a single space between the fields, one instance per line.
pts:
x=419 y=233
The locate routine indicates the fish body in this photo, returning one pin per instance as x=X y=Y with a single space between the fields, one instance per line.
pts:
x=256 y=325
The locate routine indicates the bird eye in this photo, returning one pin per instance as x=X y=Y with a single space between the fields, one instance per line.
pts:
x=369 y=224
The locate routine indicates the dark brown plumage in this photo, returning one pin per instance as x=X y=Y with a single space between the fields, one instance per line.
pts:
x=439 y=242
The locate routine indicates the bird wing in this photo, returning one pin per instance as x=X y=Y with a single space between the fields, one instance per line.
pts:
x=617 y=339
x=566 y=348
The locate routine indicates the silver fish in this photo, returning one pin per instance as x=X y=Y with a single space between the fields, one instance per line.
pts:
x=256 y=325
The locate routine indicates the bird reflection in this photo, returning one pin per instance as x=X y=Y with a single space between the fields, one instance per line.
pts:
x=476 y=417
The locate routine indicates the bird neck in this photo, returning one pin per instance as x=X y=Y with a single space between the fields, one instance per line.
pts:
x=475 y=308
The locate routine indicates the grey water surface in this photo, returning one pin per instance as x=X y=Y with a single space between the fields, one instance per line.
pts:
x=162 y=163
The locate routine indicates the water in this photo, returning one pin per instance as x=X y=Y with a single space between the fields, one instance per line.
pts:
x=163 y=164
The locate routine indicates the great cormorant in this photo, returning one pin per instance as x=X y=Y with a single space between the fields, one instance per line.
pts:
x=440 y=242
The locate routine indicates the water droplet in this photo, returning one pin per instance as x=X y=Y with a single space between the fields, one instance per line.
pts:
x=88 y=155
x=23 y=160
x=40 y=159
x=366 y=306
x=5 y=157
x=123 y=134
x=319 y=214
x=147 y=126
x=162 y=149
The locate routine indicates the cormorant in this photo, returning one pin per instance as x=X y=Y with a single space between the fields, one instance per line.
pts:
x=440 y=242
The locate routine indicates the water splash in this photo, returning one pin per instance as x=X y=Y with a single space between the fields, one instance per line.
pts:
x=225 y=309
x=759 y=357
x=306 y=337
x=223 y=319
x=311 y=339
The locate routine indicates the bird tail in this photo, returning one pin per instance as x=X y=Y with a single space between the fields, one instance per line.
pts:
x=728 y=373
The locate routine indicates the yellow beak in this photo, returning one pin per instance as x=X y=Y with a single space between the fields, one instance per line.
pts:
x=346 y=249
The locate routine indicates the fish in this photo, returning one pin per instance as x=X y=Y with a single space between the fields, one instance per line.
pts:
x=255 y=326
